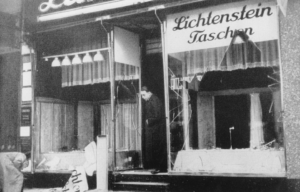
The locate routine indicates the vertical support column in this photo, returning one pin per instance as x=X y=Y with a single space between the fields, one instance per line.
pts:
x=185 y=102
x=139 y=100
x=28 y=64
x=34 y=138
x=112 y=94
x=102 y=163
x=166 y=88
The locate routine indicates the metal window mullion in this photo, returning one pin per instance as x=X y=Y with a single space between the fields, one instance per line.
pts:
x=166 y=88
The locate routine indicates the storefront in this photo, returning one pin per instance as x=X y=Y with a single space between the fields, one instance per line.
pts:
x=73 y=94
x=216 y=67
x=75 y=69
x=224 y=91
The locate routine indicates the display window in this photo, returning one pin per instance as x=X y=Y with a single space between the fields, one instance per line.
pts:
x=224 y=91
x=73 y=97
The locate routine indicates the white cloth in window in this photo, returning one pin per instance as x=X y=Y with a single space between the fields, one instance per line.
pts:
x=90 y=164
x=256 y=125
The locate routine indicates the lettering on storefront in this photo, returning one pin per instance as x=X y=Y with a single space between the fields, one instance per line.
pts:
x=56 y=4
x=214 y=27
x=25 y=116
x=184 y=22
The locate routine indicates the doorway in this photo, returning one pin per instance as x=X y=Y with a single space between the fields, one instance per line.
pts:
x=152 y=77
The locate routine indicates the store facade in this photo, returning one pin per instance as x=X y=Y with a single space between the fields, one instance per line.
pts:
x=73 y=97
x=10 y=48
x=223 y=87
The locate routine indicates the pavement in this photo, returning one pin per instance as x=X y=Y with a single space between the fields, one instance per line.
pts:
x=56 y=190
x=60 y=190
x=43 y=190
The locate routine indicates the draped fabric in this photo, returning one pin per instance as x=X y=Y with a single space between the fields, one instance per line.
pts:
x=128 y=135
x=233 y=57
x=126 y=72
x=106 y=119
x=256 y=124
x=241 y=56
x=86 y=74
x=96 y=72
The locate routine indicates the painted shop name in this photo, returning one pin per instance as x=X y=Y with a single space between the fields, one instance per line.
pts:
x=201 y=23
x=56 y=4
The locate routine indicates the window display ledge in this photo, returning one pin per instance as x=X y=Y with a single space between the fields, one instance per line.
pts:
x=224 y=162
x=53 y=171
x=220 y=174
x=60 y=162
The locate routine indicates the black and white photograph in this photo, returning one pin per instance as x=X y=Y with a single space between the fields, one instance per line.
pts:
x=149 y=95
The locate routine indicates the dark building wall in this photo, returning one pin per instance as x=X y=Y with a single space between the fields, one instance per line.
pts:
x=290 y=53
x=9 y=100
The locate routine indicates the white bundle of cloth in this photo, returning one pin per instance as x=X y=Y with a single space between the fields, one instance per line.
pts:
x=256 y=125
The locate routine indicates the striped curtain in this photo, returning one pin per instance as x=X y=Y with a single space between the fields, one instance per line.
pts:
x=96 y=72
x=78 y=39
x=236 y=56
x=87 y=73
x=105 y=116
x=126 y=72
x=128 y=135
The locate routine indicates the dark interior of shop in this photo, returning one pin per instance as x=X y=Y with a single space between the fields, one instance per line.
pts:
x=231 y=110
x=239 y=79
x=234 y=110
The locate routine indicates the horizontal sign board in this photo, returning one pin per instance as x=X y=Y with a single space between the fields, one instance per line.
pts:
x=214 y=27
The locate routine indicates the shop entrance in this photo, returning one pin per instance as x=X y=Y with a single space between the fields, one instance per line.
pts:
x=147 y=27
x=154 y=133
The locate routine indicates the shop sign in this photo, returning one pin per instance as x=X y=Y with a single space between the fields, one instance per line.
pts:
x=214 y=27
x=56 y=4
x=77 y=181
x=25 y=116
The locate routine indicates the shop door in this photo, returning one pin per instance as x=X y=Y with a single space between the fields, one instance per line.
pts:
x=127 y=132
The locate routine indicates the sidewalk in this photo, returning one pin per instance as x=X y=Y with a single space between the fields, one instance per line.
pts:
x=43 y=190
x=60 y=190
